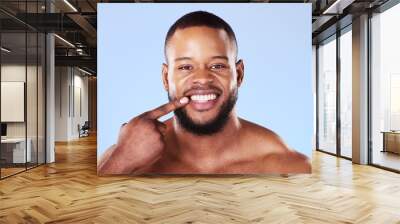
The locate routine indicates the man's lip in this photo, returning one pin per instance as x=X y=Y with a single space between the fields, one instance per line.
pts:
x=203 y=106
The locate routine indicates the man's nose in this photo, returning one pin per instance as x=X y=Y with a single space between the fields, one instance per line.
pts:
x=202 y=76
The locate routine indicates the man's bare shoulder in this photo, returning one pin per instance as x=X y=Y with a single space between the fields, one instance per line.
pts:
x=275 y=155
x=262 y=138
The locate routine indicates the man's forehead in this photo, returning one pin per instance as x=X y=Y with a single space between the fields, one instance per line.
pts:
x=199 y=32
x=210 y=39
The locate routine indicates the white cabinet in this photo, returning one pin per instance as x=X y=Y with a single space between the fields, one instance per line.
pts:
x=19 y=155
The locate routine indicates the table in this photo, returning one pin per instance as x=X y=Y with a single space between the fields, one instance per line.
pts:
x=391 y=141
x=17 y=150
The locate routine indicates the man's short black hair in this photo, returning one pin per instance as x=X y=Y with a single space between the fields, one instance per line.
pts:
x=200 y=18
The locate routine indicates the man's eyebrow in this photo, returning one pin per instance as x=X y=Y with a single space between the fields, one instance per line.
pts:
x=183 y=58
x=220 y=57
x=213 y=57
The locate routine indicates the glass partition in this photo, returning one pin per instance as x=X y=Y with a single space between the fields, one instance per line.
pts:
x=31 y=100
x=22 y=77
x=14 y=153
x=346 y=93
x=327 y=95
x=385 y=89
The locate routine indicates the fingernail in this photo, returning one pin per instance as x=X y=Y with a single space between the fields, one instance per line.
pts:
x=184 y=100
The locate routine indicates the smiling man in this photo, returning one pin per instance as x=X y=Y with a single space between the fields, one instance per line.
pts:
x=202 y=76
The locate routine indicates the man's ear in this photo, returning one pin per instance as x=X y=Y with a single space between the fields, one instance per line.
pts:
x=240 y=72
x=164 y=76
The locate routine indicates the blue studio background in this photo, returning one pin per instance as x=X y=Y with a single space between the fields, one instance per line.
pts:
x=274 y=41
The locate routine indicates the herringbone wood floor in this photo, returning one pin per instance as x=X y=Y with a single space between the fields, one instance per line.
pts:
x=69 y=191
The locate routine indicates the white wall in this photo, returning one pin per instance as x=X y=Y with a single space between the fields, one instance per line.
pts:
x=61 y=103
x=71 y=93
x=12 y=73
x=80 y=110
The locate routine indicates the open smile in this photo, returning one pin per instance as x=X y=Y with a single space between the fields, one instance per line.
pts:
x=203 y=100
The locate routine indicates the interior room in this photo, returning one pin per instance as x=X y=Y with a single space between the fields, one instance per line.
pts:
x=48 y=103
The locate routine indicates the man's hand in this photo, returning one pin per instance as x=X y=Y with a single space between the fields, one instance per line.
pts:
x=140 y=142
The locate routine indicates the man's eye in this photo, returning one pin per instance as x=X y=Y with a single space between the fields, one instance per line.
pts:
x=218 y=66
x=185 y=67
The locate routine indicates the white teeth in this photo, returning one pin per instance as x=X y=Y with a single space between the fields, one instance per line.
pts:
x=203 y=97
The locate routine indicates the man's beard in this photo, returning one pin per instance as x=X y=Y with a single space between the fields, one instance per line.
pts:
x=211 y=127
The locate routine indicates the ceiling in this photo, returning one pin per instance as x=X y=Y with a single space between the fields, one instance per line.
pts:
x=76 y=22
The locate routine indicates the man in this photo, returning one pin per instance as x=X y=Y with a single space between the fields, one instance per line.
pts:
x=201 y=76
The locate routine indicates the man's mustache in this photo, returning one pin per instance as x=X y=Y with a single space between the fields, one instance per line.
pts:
x=202 y=87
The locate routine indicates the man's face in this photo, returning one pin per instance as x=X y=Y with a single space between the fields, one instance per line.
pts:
x=202 y=66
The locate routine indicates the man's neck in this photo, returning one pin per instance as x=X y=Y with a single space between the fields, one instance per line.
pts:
x=192 y=147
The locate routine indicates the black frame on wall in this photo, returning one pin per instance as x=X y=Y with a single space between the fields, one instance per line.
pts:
x=43 y=54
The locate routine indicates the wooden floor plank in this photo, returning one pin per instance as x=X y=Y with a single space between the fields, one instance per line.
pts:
x=69 y=191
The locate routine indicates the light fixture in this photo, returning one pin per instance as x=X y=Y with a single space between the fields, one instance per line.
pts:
x=64 y=40
x=70 y=5
x=79 y=51
x=5 y=50
x=337 y=7
x=84 y=71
